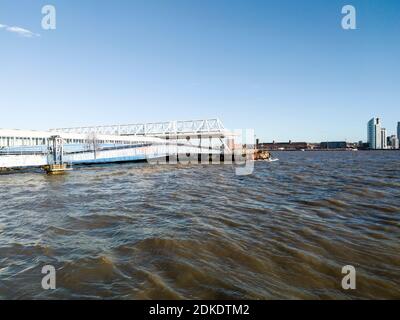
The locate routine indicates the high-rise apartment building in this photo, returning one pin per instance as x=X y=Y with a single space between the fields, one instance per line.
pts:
x=383 y=139
x=374 y=134
x=394 y=142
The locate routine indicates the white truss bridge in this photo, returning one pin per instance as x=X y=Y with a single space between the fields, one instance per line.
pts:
x=118 y=143
x=212 y=128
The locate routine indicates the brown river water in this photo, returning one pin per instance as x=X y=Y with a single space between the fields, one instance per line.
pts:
x=136 y=231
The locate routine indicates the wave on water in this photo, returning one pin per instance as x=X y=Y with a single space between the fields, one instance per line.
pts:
x=138 y=231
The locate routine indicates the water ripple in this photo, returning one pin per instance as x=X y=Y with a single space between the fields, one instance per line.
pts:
x=138 y=231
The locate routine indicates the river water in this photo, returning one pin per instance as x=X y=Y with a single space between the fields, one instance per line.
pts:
x=137 y=231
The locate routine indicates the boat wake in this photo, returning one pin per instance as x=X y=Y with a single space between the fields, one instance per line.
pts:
x=268 y=160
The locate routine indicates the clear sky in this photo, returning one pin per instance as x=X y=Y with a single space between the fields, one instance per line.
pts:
x=283 y=67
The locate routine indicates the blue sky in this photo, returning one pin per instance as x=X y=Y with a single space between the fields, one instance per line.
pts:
x=285 y=68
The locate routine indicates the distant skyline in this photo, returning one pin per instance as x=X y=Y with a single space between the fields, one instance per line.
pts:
x=285 y=68
x=389 y=131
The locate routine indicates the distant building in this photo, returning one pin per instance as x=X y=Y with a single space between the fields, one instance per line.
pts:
x=334 y=145
x=363 y=146
x=374 y=133
x=394 y=142
x=398 y=130
x=389 y=142
x=383 y=139
x=283 y=146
